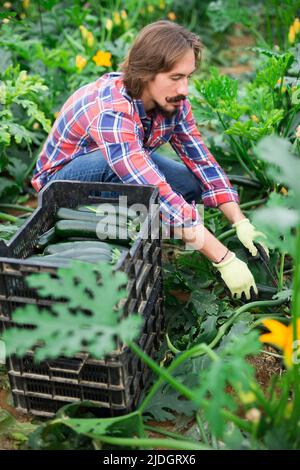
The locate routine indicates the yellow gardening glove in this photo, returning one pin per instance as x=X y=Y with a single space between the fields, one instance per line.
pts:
x=237 y=277
x=247 y=233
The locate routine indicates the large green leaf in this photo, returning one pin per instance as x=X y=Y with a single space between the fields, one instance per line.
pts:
x=87 y=315
x=80 y=419
x=167 y=403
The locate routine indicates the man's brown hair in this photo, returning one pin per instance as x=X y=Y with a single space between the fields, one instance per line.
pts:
x=156 y=49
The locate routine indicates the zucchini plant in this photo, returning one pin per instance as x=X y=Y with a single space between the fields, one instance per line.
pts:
x=266 y=105
x=20 y=109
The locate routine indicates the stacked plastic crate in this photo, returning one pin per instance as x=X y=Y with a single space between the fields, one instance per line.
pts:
x=116 y=382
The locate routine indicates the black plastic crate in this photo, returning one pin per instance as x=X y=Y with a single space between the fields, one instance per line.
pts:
x=117 y=381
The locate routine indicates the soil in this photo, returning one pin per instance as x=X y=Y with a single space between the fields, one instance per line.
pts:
x=7 y=442
x=266 y=366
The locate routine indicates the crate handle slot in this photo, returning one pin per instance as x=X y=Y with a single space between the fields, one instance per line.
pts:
x=67 y=365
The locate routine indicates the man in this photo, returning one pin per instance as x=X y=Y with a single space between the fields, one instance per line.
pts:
x=109 y=131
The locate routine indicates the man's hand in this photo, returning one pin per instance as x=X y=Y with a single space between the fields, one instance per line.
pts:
x=237 y=277
x=246 y=233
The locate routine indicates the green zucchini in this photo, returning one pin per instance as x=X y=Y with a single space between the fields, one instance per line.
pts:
x=74 y=253
x=92 y=253
x=79 y=239
x=244 y=181
x=64 y=213
x=81 y=245
x=72 y=214
x=56 y=261
x=80 y=228
x=47 y=237
x=108 y=209
x=266 y=292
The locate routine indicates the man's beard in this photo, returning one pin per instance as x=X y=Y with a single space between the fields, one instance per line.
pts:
x=164 y=112
x=170 y=114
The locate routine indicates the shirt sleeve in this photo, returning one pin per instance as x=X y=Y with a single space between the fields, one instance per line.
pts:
x=117 y=136
x=188 y=144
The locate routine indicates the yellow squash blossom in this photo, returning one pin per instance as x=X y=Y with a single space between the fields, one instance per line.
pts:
x=26 y=4
x=292 y=34
x=123 y=14
x=90 y=39
x=254 y=118
x=150 y=8
x=7 y=5
x=116 y=17
x=284 y=191
x=80 y=62
x=247 y=397
x=281 y=336
x=108 y=24
x=102 y=59
x=297 y=25
x=84 y=32
x=162 y=5
x=171 y=15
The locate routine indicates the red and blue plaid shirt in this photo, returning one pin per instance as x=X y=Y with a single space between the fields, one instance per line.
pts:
x=101 y=115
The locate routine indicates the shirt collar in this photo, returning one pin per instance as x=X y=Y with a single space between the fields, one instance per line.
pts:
x=139 y=107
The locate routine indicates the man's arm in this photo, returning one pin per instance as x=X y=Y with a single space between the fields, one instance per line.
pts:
x=117 y=137
x=187 y=142
x=200 y=239
x=232 y=212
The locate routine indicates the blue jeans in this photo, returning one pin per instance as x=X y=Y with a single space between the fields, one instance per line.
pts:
x=93 y=167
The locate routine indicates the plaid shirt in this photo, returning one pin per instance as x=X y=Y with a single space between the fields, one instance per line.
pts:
x=101 y=115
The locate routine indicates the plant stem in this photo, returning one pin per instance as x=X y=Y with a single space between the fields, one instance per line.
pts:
x=214 y=442
x=296 y=284
x=280 y=277
x=8 y=218
x=245 y=205
x=161 y=372
x=226 y=234
x=154 y=443
x=261 y=40
x=164 y=432
x=295 y=320
x=16 y=207
x=256 y=202
x=201 y=428
x=199 y=350
x=41 y=20
x=269 y=353
x=237 y=146
x=289 y=123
